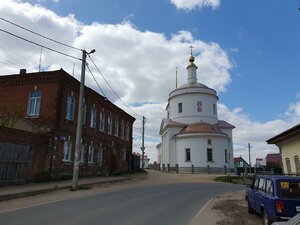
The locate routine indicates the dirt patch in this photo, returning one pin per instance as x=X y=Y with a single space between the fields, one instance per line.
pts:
x=233 y=209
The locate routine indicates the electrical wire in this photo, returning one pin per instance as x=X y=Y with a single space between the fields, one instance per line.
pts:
x=50 y=39
x=95 y=80
x=34 y=43
x=112 y=88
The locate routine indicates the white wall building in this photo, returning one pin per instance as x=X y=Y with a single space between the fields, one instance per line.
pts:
x=192 y=135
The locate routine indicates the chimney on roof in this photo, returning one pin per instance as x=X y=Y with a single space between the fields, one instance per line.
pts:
x=22 y=71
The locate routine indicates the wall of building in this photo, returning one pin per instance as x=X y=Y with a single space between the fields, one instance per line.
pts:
x=289 y=149
x=189 y=112
x=55 y=87
x=198 y=147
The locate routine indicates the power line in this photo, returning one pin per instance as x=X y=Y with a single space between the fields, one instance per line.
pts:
x=95 y=79
x=112 y=88
x=50 y=39
x=34 y=43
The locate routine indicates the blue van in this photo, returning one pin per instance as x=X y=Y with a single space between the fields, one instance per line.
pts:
x=275 y=197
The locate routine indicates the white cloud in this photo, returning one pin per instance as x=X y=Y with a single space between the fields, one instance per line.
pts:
x=195 y=4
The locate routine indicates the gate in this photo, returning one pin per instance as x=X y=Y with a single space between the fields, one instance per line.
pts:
x=14 y=160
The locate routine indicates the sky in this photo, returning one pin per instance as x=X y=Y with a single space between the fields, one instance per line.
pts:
x=248 y=51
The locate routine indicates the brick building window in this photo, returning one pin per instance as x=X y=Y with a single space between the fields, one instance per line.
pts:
x=34 y=103
x=91 y=154
x=100 y=154
x=109 y=124
x=102 y=121
x=122 y=129
x=209 y=154
x=67 y=150
x=93 y=118
x=127 y=132
x=70 y=108
x=124 y=155
x=81 y=154
x=116 y=126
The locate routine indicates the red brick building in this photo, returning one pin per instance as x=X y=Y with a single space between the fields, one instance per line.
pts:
x=49 y=101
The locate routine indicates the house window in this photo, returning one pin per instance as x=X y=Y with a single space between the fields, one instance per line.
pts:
x=67 y=150
x=93 y=118
x=187 y=154
x=124 y=155
x=116 y=126
x=199 y=106
x=81 y=154
x=127 y=132
x=209 y=155
x=122 y=129
x=70 y=108
x=109 y=124
x=226 y=157
x=288 y=166
x=100 y=154
x=214 y=109
x=297 y=164
x=84 y=113
x=91 y=154
x=102 y=121
x=34 y=103
x=180 y=107
x=209 y=142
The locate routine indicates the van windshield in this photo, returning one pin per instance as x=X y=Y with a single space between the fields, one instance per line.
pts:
x=290 y=189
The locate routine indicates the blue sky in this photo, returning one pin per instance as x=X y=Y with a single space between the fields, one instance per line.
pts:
x=260 y=37
x=248 y=51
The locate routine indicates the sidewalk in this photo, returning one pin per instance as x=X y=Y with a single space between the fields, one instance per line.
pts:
x=16 y=191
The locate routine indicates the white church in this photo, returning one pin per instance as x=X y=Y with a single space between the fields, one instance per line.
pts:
x=193 y=139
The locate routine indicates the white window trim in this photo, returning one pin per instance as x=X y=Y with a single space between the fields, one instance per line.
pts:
x=91 y=157
x=69 y=151
x=35 y=103
x=68 y=116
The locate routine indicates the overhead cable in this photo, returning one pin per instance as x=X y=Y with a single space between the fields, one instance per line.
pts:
x=112 y=88
x=95 y=80
x=50 y=39
x=32 y=42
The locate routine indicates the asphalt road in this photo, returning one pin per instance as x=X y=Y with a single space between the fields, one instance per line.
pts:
x=174 y=204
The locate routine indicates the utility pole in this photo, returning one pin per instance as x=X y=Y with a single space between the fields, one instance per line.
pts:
x=79 y=122
x=143 y=147
x=249 y=148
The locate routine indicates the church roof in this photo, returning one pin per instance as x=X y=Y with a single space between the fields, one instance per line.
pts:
x=200 y=128
x=225 y=125
x=194 y=85
x=166 y=123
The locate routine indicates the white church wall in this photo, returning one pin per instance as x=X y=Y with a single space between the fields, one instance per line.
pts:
x=198 y=147
x=190 y=112
x=230 y=144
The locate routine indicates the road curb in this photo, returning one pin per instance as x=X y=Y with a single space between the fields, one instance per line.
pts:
x=55 y=188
